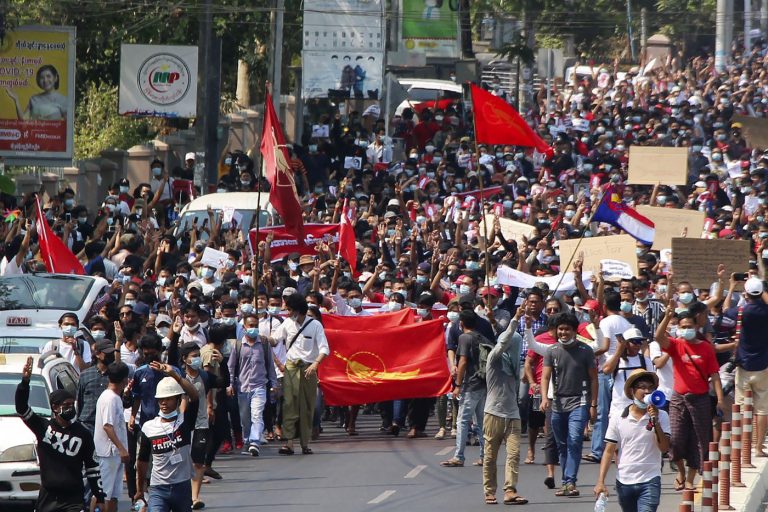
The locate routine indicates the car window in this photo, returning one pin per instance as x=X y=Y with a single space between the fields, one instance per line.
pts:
x=22 y=345
x=188 y=218
x=44 y=292
x=38 y=394
x=418 y=94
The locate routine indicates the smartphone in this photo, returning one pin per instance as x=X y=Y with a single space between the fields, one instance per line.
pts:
x=68 y=217
x=740 y=276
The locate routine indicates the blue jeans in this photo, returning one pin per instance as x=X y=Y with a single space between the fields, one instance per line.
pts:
x=568 y=428
x=470 y=403
x=604 y=393
x=173 y=497
x=252 y=405
x=642 y=497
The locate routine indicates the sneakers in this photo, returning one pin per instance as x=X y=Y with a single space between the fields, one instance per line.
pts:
x=253 y=450
x=226 y=447
x=453 y=433
x=239 y=441
x=440 y=434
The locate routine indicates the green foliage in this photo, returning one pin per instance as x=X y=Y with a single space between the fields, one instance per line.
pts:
x=98 y=125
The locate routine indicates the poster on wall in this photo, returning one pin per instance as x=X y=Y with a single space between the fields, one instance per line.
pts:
x=343 y=25
x=158 y=80
x=37 y=75
x=430 y=27
x=342 y=75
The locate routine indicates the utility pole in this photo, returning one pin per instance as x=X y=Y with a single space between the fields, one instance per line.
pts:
x=747 y=26
x=764 y=17
x=277 y=52
x=643 y=31
x=209 y=92
x=721 y=50
x=629 y=31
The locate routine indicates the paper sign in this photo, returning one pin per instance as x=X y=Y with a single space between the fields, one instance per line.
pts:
x=695 y=260
x=214 y=258
x=670 y=223
x=734 y=169
x=613 y=247
x=755 y=130
x=649 y=165
x=226 y=214
x=353 y=162
x=510 y=229
x=320 y=131
x=614 y=270
x=563 y=283
x=581 y=125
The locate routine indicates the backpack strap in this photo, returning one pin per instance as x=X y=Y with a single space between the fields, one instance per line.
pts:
x=296 y=336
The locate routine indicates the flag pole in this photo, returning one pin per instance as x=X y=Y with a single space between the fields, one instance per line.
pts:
x=255 y=279
x=486 y=265
x=578 y=242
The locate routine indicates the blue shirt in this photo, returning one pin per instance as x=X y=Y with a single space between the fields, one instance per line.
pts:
x=752 y=352
x=145 y=381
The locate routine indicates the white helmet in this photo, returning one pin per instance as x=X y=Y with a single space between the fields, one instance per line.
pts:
x=168 y=387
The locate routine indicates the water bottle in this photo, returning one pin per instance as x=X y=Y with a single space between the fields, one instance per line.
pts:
x=601 y=505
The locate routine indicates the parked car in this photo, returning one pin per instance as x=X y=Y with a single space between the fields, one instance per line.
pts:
x=420 y=89
x=31 y=305
x=19 y=468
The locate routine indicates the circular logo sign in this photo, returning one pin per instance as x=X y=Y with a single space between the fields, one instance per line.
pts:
x=163 y=79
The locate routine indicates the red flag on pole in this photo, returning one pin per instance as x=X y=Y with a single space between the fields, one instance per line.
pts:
x=387 y=365
x=497 y=122
x=347 y=246
x=56 y=255
x=282 y=193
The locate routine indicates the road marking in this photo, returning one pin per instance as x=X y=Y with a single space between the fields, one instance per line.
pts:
x=381 y=497
x=415 y=472
x=446 y=450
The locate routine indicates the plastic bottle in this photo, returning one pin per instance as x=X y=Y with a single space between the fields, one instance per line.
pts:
x=601 y=505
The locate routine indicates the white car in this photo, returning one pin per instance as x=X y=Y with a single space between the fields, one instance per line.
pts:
x=19 y=469
x=31 y=305
x=243 y=205
x=420 y=89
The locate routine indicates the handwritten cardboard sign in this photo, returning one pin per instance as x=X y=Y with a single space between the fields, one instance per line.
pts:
x=510 y=229
x=755 y=130
x=214 y=258
x=649 y=165
x=612 y=247
x=695 y=259
x=670 y=223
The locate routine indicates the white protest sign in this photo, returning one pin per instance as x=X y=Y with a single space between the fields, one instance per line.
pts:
x=615 y=269
x=226 y=214
x=511 y=277
x=353 y=162
x=581 y=125
x=214 y=258
x=320 y=131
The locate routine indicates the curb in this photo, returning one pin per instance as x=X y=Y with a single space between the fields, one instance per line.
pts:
x=750 y=498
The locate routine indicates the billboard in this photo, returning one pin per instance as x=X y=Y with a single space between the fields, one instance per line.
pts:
x=343 y=49
x=430 y=27
x=158 y=80
x=342 y=75
x=37 y=73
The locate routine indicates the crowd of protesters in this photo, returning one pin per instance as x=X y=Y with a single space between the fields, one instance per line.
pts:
x=535 y=362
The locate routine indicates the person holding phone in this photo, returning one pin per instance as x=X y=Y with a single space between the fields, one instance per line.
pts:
x=64 y=448
x=690 y=412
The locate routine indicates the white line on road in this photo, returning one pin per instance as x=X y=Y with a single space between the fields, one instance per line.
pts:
x=381 y=497
x=415 y=472
x=446 y=450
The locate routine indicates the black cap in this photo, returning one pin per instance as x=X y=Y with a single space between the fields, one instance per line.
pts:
x=105 y=347
x=60 y=396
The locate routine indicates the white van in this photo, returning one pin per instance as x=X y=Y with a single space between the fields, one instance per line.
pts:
x=421 y=89
x=244 y=203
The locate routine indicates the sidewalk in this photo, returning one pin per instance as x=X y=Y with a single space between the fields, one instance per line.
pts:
x=750 y=498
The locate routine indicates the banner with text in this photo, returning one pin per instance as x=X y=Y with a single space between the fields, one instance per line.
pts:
x=158 y=81
x=431 y=28
x=285 y=243
x=37 y=71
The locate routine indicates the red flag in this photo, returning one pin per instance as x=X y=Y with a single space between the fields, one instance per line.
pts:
x=282 y=193
x=436 y=104
x=56 y=255
x=369 y=323
x=487 y=192
x=347 y=246
x=285 y=241
x=386 y=365
x=497 y=122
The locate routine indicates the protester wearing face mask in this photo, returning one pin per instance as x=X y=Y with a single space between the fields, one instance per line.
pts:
x=208 y=281
x=145 y=380
x=690 y=409
x=65 y=449
x=627 y=358
x=638 y=438
x=192 y=329
x=75 y=350
x=93 y=381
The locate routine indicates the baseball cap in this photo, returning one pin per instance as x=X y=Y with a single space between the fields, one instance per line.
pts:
x=289 y=291
x=489 y=290
x=590 y=304
x=633 y=334
x=163 y=319
x=105 y=347
x=753 y=286
x=189 y=156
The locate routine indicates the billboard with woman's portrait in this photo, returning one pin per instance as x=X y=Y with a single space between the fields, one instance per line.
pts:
x=37 y=93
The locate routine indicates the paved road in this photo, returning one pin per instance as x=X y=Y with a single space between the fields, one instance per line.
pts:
x=378 y=473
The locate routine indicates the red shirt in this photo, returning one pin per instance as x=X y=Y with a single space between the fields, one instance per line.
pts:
x=689 y=379
x=537 y=361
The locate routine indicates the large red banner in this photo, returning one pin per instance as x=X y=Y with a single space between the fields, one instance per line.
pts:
x=285 y=242
x=20 y=135
x=369 y=323
x=407 y=361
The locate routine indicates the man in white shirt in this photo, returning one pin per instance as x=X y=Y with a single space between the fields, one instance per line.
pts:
x=613 y=323
x=76 y=351
x=640 y=435
x=306 y=346
x=11 y=263
x=111 y=436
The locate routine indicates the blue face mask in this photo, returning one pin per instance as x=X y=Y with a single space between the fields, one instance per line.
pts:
x=274 y=310
x=421 y=279
x=196 y=363
x=355 y=303
x=686 y=334
x=640 y=404
x=473 y=265
x=168 y=416
x=68 y=331
x=626 y=307
x=252 y=332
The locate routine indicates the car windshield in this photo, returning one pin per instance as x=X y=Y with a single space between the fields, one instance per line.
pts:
x=22 y=345
x=38 y=394
x=44 y=292
x=201 y=217
x=416 y=94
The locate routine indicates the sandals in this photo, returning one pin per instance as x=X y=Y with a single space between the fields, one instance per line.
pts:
x=514 y=500
x=306 y=450
x=491 y=500
x=452 y=463
x=285 y=450
x=568 y=491
x=478 y=462
x=590 y=458
x=529 y=460
x=550 y=482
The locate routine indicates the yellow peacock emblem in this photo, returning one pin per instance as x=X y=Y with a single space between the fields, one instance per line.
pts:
x=368 y=368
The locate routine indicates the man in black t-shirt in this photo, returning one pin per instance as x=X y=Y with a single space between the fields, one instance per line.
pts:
x=64 y=446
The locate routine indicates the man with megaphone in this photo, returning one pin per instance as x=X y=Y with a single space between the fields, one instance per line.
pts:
x=641 y=435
